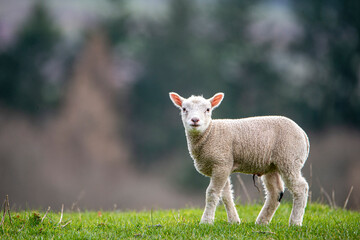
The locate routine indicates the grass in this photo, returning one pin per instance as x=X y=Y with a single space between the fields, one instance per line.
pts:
x=320 y=222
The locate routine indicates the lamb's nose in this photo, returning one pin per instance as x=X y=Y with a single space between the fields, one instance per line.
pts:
x=195 y=119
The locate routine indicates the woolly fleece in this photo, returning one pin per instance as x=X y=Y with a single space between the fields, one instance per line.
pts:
x=273 y=147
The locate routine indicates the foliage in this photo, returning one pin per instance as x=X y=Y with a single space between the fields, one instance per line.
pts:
x=331 y=45
x=320 y=222
x=24 y=83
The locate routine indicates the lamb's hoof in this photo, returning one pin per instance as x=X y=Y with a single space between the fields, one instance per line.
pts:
x=207 y=221
x=237 y=221
x=295 y=223
x=261 y=222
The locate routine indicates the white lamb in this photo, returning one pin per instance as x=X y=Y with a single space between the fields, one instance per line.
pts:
x=273 y=147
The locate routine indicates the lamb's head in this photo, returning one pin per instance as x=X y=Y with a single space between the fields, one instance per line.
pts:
x=196 y=110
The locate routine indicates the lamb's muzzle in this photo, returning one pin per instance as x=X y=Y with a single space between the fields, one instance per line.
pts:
x=274 y=147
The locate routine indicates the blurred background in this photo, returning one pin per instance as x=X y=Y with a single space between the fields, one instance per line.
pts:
x=85 y=117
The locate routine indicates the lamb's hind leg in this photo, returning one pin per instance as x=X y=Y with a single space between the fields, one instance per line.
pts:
x=227 y=198
x=299 y=189
x=274 y=188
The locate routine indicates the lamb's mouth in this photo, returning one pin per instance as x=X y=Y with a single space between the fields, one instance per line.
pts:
x=195 y=125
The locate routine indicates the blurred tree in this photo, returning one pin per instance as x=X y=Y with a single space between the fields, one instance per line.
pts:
x=117 y=28
x=331 y=43
x=254 y=86
x=23 y=82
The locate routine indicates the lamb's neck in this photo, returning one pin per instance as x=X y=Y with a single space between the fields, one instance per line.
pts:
x=196 y=138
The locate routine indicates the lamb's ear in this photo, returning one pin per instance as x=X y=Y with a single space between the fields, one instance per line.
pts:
x=176 y=99
x=216 y=99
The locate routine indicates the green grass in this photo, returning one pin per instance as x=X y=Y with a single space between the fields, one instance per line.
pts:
x=320 y=222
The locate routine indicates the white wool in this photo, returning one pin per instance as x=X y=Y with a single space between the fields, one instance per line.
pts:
x=273 y=147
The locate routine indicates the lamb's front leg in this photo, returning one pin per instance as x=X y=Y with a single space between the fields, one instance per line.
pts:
x=228 y=200
x=213 y=192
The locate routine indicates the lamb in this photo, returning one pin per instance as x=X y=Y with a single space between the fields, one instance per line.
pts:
x=273 y=147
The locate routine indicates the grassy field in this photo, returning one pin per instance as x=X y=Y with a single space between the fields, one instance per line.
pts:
x=320 y=222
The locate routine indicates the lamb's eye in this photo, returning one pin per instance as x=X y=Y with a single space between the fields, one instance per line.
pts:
x=208 y=110
x=184 y=109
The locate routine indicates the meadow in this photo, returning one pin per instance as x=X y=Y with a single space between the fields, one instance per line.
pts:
x=320 y=222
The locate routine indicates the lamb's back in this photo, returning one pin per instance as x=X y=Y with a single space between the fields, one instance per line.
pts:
x=259 y=144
